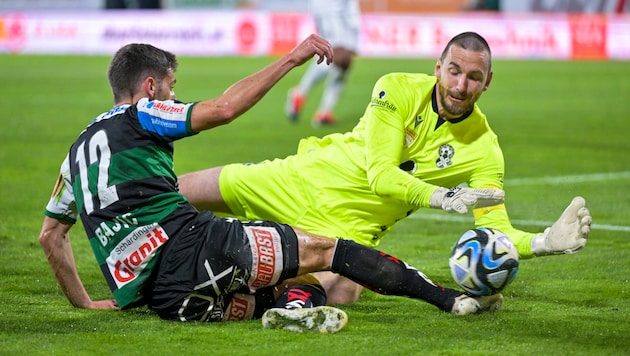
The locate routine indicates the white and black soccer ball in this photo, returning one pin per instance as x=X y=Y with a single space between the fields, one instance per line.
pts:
x=484 y=261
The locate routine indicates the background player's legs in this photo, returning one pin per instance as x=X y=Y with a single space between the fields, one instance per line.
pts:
x=334 y=86
x=313 y=75
x=297 y=95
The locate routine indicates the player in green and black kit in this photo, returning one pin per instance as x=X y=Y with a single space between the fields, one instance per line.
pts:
x=419 y=136
x=155 y=248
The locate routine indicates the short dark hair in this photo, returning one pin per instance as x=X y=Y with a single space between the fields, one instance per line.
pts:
x=133 y=63
x=470 y=41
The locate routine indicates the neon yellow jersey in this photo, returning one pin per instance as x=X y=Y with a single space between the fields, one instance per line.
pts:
x=357 y=185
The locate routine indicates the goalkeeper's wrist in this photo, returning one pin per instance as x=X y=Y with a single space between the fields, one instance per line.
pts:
x=437 y=198
x=539 y=244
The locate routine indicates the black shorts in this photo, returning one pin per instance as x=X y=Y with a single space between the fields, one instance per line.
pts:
x=218 y=269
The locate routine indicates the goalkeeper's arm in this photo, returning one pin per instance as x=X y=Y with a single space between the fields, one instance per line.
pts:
x=457 y=200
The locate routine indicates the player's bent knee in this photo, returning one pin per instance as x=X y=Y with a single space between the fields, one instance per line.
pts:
x=315 y=252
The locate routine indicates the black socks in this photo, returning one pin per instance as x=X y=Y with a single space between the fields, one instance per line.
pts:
x=385 y=274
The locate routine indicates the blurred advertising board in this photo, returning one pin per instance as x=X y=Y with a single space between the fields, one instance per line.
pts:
x=262 y=33
x=570 y=6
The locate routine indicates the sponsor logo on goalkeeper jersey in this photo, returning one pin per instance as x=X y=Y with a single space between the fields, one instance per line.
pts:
x=380 y=101
x=131 y=255
x=267 y=255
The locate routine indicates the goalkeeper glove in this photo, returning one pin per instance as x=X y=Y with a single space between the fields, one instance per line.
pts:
x=457 y=200
x=568 y=234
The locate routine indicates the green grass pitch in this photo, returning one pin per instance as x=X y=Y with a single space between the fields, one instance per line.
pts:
x=564 y=128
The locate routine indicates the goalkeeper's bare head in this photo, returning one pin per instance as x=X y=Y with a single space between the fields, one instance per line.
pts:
x=464 y=72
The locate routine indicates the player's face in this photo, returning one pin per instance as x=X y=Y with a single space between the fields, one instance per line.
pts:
x=165 y=87
x=462 y=77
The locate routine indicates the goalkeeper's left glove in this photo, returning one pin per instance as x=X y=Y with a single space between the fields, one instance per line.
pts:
x=568 y=234
x=457 y=200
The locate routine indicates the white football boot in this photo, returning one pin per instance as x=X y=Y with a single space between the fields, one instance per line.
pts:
x=322 y=319
x=465 y=305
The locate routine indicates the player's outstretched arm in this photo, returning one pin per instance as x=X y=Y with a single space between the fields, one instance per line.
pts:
x=457 y=200
x=568 y=234
x=55 y=240
x=245 y=93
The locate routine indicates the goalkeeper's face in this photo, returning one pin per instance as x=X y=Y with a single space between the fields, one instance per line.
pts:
x=463 y=76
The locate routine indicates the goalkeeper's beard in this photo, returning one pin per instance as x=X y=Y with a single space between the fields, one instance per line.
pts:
x=451 y=109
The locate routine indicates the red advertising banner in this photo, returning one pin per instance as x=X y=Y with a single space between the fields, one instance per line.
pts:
x=285 y=30
x=247 y=33
x=588 y=36
x=12 y=33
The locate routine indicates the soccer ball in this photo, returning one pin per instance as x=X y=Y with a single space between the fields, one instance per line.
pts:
x=484 y=261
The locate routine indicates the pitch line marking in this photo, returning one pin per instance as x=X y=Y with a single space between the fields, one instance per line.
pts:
x=582 y=178
x=463 y=218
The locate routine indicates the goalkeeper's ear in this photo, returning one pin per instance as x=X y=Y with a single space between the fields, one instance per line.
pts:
x=487 y=84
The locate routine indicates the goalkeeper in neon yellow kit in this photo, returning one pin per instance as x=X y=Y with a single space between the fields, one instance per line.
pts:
x=420 y=135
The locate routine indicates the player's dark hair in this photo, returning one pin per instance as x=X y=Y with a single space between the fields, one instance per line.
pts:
x=135 y=62
x=471 y=41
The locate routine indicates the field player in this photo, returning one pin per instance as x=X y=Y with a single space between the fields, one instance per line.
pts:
x=338 y=21
x=155 y=248
x=420 y=135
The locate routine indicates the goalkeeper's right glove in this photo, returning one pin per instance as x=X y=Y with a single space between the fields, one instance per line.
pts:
x=568 y=234
x=457 y=200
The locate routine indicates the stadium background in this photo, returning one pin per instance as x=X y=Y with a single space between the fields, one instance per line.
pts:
x=558 y=103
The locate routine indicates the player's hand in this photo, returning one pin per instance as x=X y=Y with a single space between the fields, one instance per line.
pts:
x=103 y=304
x=311 y=46
x=568 y=234
x=457 y=200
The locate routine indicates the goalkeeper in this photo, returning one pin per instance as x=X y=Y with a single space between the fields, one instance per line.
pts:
x=419 y=137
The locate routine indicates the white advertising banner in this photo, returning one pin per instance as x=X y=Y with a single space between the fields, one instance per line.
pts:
x=189 y=32
x=618 y=37
x=573 y=6
x=260 y=33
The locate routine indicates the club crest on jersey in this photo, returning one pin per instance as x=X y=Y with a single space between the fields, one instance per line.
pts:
x=446 y=153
